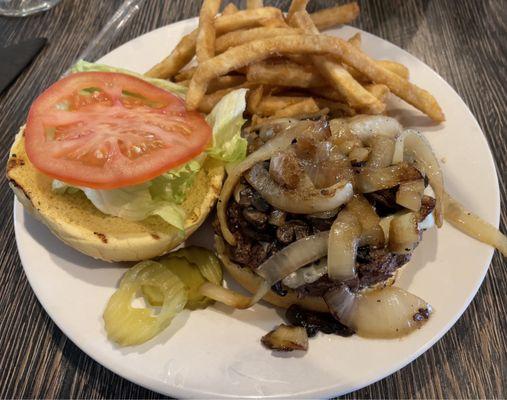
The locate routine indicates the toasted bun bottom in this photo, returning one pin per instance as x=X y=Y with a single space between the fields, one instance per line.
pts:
x=76 y=221
x=250 y=281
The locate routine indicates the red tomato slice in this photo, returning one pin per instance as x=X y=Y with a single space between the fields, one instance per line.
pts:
x=108 y=130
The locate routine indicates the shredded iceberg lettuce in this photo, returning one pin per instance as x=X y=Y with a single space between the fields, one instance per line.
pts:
x=164 y=195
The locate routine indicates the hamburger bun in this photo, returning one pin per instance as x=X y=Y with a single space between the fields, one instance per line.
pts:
x=76 y=221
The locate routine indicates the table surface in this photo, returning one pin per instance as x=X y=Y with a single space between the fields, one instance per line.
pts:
x=465 y=44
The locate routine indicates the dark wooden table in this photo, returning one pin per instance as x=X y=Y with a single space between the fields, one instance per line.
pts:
x=465 y=42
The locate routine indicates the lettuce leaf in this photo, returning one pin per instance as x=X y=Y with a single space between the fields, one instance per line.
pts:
x=226 y=118
x=85 y=66
x=164 y=194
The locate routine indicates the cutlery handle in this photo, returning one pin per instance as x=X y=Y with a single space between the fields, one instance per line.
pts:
x=101 y=43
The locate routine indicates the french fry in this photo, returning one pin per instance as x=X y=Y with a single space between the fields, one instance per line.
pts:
x=237 y=38
x=295 y=6
x=269 y=105
x=259 y=50
x=393 y=66
x=229 y=9
x=303 y=107
x=355 y=40
x=337 y=75
x=185 y=49
x=379 y=90
x=205 y=42
x=397 y=68
x=185 y=74
x=284 y=74
x=246 y=19
x=254 y=98
x=210 y=100
x=333 y=16
x=327 y=92
x=225 y=82
x=274 y=23
x=179 y=57
x=251 y=4
x=335 y=107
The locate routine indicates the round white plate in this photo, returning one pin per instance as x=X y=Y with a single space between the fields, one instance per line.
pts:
x=216 y=352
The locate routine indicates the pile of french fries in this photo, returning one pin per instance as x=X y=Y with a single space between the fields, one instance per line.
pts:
x=290 y=68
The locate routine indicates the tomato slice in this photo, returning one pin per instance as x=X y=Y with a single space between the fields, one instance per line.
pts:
x=107 y=130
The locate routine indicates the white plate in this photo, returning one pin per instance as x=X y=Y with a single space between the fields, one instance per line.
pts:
x=216 y=352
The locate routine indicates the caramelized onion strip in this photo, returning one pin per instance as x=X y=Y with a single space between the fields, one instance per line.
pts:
x=387 y=313
x=342 y=246
x=417 y=148
x=473 y=226
x=298 y=201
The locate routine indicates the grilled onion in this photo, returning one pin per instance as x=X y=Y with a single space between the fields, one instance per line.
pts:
x=387 y=313
x=342 y=246
x=280 y=142
x=294 y=256
x=371 y=232
x=417 y=149
x=404 y=233
x=367 y=126
x=382 y=150
x=410 y=193
x=224 y=295
x=473 y=226
x=286 y=338
x=359 y=154
x=298 y=201
x=373 y=179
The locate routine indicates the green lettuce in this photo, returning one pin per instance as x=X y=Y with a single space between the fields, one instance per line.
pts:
x=85 y=66
x=164 y=194
x=226 y=118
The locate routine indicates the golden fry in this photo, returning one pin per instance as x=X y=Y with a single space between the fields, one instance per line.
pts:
x=356 y=40
x=379 y=90
x=179 y=57
x=302 y=108
x=333 y=16
x=254 y=97
x=295 y=6
x=269 y=105
x=237 y=38
x=259 y=50
x=185 y=74
x=205 y=42
x=274 y=23
x=337 y=76
x=284 y=74
x=251 y=4
x=225 y=82
x=335 y=107
x=229 y=9
x=210 y=100
x=393 y=66
x=328 y=92
x=185 y=49
x=246 y=19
